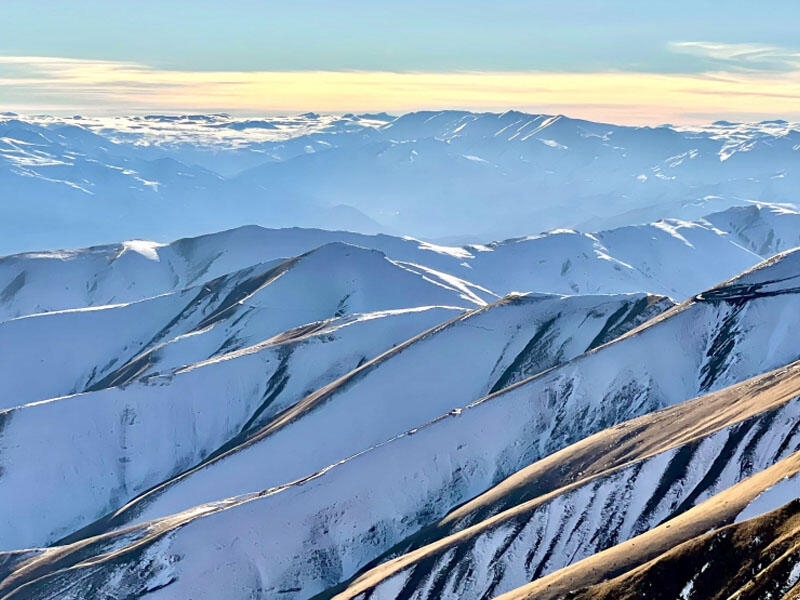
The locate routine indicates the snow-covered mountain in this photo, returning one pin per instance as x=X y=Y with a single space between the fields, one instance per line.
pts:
x=763 y=229
x=597 y=493
x=67 y=182
x=351 y=392
x=304 y=413
x=668 y=257
x=219 y=316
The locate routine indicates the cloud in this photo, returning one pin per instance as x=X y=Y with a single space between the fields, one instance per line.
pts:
x=60 y=85
x=745 y=57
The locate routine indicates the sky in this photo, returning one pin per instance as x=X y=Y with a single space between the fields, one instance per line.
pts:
x=622 y=61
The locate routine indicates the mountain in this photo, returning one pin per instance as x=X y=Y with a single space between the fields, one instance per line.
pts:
x=668 y=257
x=68 y=182
x=762 y=228
x=598 y=493
x=369 y=406
x=224 y=314
x=138 y=269
x=325 y=400
x=266 y=384
x=419 y=439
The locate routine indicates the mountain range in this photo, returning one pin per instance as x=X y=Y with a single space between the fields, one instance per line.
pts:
x=442 y=175
x=303 y=413
x=441 y=355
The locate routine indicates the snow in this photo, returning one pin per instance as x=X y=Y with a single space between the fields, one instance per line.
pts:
x=794 y=575
x=667 y=258
x=174 y=421
x=196 y=354
x=406 y=388
x=397 y=392
x=65 y=352
x=773 y=497
x=147 y=249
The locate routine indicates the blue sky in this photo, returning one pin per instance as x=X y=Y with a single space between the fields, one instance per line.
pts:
x=677 y=38
x=411 y=35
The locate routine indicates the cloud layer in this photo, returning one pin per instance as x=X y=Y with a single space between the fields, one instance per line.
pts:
x=751 y=82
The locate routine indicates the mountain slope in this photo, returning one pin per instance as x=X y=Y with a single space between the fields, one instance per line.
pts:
x=765 y=229
x=239 y=528
x=590 y=496
x=404 y=388
x=752 y=560
x=128 y=440
x=712 y=514
x=109 y=430
x=668 y=257
x=386 y=497
x=71 y=351
x=136 y=270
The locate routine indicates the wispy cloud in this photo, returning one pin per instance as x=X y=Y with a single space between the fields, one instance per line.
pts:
x=745 y=57
x=44 y=84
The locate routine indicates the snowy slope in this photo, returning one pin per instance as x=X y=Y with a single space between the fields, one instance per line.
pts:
x=217 y=404
x=463 y=454
x=763 y=228
x=134 y=270
x=669 y=257
x=161 y=561
x=414 y=383
x=462 y=451
x=71 y=351
x=341 y=515
x=597 y=493
x=131 y=439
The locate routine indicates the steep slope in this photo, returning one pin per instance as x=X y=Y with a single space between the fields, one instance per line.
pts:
x=714 y=513
x=121 y=273
x=559 y=407
x=71 y=351
x=444 y=369
x=757 y=559
x=217 y=405
x=128 y=440
x=293 y=539
x=763 y=228
x=462 y=452
x=596 y=493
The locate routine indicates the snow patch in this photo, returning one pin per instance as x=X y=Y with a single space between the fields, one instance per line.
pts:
x=145 y=248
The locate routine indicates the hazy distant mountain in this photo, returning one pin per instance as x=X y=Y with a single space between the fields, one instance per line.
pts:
x=74 y=182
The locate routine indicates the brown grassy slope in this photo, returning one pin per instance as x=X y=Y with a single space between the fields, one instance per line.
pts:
x=714 y=513
x=753 y=560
